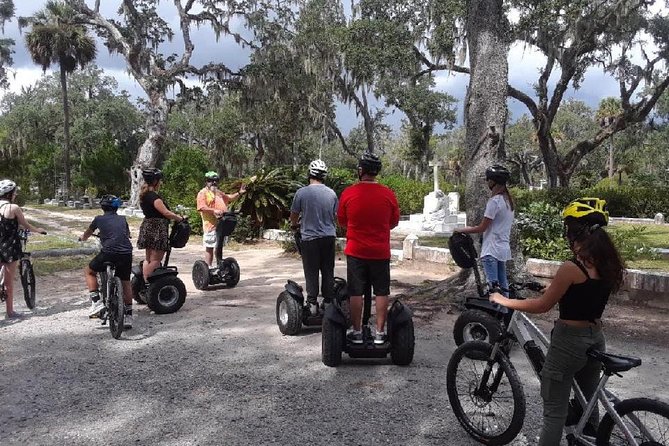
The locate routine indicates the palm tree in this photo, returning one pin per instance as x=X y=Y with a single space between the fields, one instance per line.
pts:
x=56 y=38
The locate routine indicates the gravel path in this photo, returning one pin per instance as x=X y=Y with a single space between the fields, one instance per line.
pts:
x=218 y=372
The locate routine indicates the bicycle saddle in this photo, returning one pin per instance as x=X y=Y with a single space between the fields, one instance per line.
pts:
x=614 y=363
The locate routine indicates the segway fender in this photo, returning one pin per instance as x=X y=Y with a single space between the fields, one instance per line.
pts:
x=334 y=313
x=399 y=314
x=294 y=290
x=485 y=305
x=163 y=272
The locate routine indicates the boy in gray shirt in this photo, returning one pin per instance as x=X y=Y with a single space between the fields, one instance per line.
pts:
x=316 y=204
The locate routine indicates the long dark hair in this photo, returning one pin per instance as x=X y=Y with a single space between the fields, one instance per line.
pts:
x=501 y=189
x=596 y=248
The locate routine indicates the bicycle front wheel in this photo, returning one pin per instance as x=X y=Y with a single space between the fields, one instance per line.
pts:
x=28 y=282
x=486 y=395
x=115 y=307
x=647 y=420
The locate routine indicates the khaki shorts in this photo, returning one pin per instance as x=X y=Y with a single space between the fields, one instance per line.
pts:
x=209 y=239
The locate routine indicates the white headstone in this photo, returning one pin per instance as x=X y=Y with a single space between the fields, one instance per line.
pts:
x=453 y=203
x=659 y=218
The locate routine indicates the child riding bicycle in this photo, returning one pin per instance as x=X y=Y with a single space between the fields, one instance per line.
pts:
x=114 y=236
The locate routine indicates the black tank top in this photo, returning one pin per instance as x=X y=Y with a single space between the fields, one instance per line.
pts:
x=584 y=301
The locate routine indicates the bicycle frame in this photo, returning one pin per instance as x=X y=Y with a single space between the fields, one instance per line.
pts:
x=526 y=333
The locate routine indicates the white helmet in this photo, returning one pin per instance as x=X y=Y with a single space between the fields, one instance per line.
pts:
x=318 y=169
x=6 y=186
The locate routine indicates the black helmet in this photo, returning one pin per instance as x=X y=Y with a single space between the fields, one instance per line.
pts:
x=497 y=173
x=110 y=203
x=152 y=175
x=370 y=163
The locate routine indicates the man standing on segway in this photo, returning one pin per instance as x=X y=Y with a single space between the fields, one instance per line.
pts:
x=212 y=203
x=368 y=210
x=317 y=205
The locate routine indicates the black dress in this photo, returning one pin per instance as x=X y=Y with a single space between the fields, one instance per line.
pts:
x=10 y=245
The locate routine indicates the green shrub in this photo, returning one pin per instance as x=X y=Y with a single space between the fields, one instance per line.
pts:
x=629 y=246
x=410 y=193
x=540 y=230
x=244 y=230
x=184 y=172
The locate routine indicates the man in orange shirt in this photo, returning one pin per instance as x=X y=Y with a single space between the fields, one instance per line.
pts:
x=212 y=203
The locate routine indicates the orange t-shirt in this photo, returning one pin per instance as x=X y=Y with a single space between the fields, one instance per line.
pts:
x=208 y=199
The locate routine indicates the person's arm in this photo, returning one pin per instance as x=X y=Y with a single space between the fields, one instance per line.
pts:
x=482 y=227
x=160 y=207
x=89 y=231
x=341 y=212
x=295 y=210
x=294 y=220
x=395 y=216
x=18 y=213
x=565 y=276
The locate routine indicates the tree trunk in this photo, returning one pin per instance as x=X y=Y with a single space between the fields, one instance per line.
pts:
x=156 y=125
x=486 y=98
x=368 y=122
x=552 y=163
x=66 y=129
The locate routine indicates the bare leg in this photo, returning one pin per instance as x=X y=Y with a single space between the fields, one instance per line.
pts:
x=127 y=292
x=209 y=255
x=153 y=259
x=381 y=312
x=10 y=272
x=91 y=279
x=356 y=312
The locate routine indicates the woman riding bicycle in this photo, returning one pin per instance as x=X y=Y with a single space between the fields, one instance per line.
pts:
x=582 y=287
x=11 y=217
x=154 y=230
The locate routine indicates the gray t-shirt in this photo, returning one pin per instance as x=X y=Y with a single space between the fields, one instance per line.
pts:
x=496 y=237
x=114 y=233
x=317 y=205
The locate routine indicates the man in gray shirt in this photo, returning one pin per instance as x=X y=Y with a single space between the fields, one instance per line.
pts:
x=316 y=204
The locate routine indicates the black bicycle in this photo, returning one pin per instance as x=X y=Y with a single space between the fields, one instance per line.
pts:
x=112 y=298
x=26 y=271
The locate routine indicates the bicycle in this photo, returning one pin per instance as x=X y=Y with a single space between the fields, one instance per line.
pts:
x=480 y=394
x=111 y=292
x=26 y=273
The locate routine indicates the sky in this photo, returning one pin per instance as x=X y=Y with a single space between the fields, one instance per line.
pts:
x=524 y=65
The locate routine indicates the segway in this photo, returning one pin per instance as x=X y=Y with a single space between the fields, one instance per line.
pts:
x=164 y=293
x=226 y=270
x=399 y=326
x=292 y=310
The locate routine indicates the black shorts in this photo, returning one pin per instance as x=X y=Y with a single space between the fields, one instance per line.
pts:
x=123 y=263
x=361 y=272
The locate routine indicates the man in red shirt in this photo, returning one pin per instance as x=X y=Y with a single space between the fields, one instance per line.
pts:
x=368 y=210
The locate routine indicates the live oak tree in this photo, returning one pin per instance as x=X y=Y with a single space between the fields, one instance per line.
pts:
x=139 y=34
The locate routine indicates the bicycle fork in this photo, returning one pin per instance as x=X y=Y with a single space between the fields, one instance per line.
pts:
x=484 y=390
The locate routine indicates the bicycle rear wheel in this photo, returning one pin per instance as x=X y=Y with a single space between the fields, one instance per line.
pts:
x=489 y=404
x=646 y=419
x=115 y=307
x=28 y=282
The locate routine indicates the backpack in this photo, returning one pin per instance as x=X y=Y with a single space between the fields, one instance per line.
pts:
x=462 y=250
x=180 y=234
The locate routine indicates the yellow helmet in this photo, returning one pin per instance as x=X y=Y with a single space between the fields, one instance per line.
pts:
x=591 y=210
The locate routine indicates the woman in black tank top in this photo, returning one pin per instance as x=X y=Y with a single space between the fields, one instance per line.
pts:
x=581 y=288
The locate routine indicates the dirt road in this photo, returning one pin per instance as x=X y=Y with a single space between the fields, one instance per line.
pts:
x=218 y=372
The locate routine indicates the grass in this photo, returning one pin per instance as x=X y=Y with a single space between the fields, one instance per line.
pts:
x=50 y=265
x=653 y=235
x=46 y=242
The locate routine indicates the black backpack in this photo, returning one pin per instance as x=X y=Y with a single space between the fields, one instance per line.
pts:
x=180 y=234
x=462 y=250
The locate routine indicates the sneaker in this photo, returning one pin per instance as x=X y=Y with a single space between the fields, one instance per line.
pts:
x=96 y=308
x=313 y=305
x=380 y=337
x=14 y=315
x=127 y=321
x=354 y=337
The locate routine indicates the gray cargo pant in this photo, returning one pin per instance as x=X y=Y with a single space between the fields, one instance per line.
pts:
x=566 y=360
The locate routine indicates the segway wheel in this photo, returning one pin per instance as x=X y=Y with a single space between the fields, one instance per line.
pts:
x=200 y=275
x=288 y=314
x=232 y=278
x=138 y=289
x=166 y=295
x=332 y=342
x=402 y=343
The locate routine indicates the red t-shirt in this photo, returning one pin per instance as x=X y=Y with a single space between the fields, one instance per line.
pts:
x=368 y=211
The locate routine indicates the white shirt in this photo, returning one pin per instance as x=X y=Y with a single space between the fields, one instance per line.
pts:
x=496 y=237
